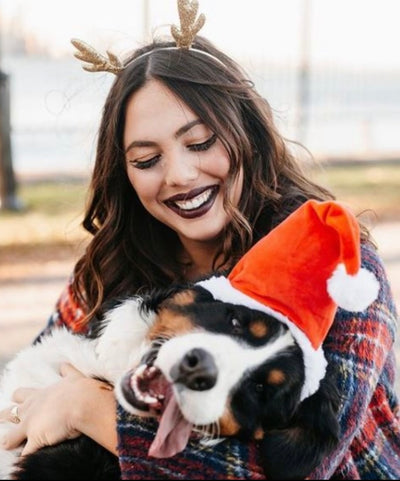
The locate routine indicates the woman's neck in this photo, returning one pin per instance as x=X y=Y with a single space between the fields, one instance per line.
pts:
x=198 y=258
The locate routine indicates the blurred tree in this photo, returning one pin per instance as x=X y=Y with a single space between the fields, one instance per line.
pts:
x=8 y=184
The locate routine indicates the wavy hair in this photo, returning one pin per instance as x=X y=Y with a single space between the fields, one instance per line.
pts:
x=130 y=250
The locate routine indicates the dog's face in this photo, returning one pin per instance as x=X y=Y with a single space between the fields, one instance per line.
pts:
x=224 y=363
x=224 y=367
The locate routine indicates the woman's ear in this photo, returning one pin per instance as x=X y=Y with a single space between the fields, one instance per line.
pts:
x=295 y=451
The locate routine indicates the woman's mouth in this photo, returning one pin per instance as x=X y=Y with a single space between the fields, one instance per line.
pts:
x=195 y=203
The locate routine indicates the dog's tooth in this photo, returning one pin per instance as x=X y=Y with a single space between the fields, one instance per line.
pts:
x=160 y=397
x=149 y=399
x=135 y=387
x=140 y=370
x=150 y=372
x=133 y=381
x=139 y=396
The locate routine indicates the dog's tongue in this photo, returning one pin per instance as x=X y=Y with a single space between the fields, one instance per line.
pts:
x=173 y=432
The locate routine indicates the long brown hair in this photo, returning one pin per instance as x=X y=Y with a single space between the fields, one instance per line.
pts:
x=130 y=250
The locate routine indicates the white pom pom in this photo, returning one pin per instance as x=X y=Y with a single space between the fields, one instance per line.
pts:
x=353 y=293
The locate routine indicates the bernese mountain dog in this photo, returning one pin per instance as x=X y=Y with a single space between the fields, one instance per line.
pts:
x=195 y=363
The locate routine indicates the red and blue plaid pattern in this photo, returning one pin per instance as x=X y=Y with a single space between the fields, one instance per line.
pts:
x=361 y=345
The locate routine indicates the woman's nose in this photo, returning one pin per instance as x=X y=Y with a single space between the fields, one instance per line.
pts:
x=181 y=169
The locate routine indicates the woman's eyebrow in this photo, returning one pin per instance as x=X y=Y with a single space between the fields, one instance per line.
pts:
x=149 y=143
x=140 y=143
x=187 y=127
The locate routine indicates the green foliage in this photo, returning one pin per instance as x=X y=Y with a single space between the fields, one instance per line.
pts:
x=52 y=213
x=54 y=198
x=364 y=186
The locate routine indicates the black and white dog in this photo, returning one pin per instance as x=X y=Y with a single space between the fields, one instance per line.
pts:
x=195 y=363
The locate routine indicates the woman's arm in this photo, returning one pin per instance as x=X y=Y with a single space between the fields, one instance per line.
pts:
x=97 y=416
x=359 y=345
x=67 y=312
x=75 y=405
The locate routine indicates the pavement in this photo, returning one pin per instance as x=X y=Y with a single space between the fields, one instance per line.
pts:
x=28 y=290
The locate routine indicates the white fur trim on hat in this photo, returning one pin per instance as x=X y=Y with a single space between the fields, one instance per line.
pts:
x=353 y=292
x=314 y=360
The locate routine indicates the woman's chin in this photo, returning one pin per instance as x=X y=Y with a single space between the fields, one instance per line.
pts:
x=205 y=233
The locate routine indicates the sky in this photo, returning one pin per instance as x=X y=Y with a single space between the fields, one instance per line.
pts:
x=347 y=32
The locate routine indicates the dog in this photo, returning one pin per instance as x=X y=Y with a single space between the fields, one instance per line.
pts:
x=196 y=364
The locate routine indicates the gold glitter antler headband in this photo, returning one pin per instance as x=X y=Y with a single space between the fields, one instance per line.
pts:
x=95 y=62
x=183 y=36
x=189 y=25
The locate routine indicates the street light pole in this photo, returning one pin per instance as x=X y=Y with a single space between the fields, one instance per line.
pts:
x=146 y=20
x=303 y=102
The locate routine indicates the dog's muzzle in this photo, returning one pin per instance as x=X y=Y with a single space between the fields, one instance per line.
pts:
x=196 y=370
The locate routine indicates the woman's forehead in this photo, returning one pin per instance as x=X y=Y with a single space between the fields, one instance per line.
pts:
x=156 y=108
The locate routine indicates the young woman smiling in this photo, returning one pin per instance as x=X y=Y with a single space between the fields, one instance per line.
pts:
x=190 y=172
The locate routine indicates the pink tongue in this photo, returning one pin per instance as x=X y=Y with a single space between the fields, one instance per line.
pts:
x=173 y=432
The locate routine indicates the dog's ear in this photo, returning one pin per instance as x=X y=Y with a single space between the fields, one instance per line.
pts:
x=153 y=299
x=202 y=295
x=313 y=432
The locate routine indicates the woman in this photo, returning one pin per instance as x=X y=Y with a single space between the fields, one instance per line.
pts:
x=190 y=172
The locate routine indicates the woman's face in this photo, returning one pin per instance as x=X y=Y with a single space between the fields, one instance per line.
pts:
x=176 y=164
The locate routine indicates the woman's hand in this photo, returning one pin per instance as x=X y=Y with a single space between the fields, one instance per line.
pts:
x=73 y=406
x=46 y=415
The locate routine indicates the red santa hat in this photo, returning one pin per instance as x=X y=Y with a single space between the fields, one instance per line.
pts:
x=300 y=273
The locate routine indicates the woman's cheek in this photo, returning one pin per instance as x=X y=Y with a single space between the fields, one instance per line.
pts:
x=143 y=185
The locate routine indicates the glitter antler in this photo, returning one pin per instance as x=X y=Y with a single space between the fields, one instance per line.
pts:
x=95 y=62
x=183 y=36
x=189 y=25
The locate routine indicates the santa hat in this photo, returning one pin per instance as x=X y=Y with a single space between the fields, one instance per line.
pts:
x=300 y=273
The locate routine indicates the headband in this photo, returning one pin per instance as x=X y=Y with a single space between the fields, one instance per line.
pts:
x=183 y=36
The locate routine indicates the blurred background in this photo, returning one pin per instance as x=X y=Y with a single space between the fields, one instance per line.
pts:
x=330 y=70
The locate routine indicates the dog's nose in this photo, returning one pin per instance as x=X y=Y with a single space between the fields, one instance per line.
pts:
x=197 y=370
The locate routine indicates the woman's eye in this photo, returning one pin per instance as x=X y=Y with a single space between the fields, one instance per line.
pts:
x=145 y=164
x=203 y=145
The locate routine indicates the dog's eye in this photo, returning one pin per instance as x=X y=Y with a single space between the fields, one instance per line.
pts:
x=259 y=387
x=236 y=326
x=151 y=355
x=235 y=323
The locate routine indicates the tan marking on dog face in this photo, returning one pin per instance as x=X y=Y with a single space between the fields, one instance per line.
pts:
x=169 y=324
x=258 y=328
x=183 y=298
x=228 y=424
x=259 y=434
x=276 y=376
